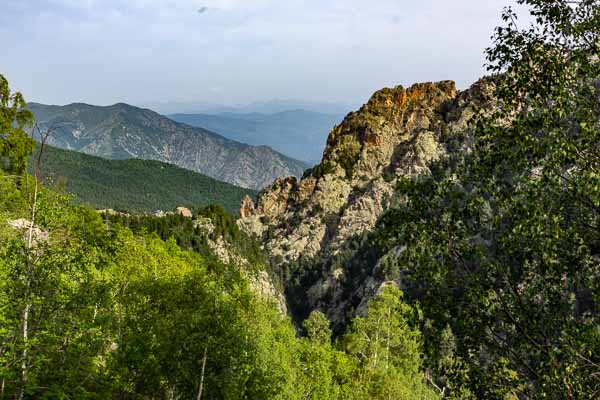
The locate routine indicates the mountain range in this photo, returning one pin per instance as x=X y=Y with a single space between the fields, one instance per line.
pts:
x=298 y=133
x=272 y=106
x=134 y=185
x=122 y=131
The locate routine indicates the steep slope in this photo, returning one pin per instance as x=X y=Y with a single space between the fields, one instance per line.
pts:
x=135 y=185
x=122 y=131
x=214 y=234
x=313 y=228
x=299 y=133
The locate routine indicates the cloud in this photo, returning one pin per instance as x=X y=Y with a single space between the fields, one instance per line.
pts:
x=129 y=50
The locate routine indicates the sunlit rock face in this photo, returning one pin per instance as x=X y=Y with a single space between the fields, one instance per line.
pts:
x=311 y=227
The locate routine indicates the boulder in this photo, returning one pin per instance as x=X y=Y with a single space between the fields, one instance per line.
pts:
x=184 y=212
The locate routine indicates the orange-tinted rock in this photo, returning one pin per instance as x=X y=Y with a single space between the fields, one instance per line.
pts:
x=247 y=208
x=273 y=200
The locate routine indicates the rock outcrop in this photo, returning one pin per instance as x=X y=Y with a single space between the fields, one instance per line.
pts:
x=309 y=227
x=247 y=209
x=184 y=212
x=38 y=236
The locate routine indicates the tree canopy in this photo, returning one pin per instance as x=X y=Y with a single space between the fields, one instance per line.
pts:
x=502 y=244
x=15 y=145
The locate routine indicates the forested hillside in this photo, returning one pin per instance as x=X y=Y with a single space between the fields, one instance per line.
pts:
x=133 y=185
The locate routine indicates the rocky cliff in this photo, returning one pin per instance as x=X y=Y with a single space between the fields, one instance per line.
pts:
x=314 y=228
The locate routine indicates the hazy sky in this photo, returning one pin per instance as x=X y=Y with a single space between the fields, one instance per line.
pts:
x=238 y=51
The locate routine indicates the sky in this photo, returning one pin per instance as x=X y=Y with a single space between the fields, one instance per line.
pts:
x=235 y=52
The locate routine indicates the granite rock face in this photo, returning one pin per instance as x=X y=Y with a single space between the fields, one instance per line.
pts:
x=311 y=226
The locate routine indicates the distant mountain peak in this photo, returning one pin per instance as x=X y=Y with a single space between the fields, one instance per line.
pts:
x=298 y=133
x=271 y=106
x=122 y=131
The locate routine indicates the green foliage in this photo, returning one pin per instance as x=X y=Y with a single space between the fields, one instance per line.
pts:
x=172 y=318
x=12 y=199
x=501 y=246
x=15 y=145
x=387 y=350
x=135 y=185
x=113 y=314
x=118 y=314
x=320 y=378
x=379 y=358
x=224 y=225
x=189 y=233
x=317 y=328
